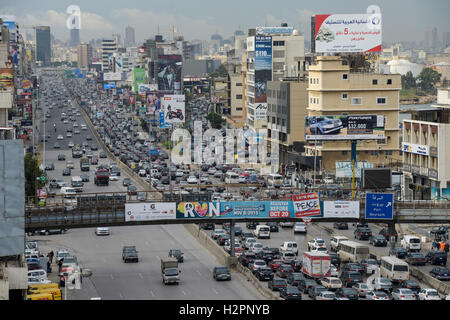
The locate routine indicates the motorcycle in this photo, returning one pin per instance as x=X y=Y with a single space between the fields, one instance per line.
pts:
x=176 y=114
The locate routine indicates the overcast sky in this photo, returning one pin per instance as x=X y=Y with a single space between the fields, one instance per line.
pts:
x=199 y=19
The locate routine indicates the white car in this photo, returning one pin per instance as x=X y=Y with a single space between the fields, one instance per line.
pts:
x=326 y=295
x=322 y=249
x=429 y=294
x=70 y=164
x=179 y=173
x=377 y=295
x=113 y=177
x=60 y=137
x=212 y=171
x=403 y=294
x=316 y=243
x=192 y=180
x=142 y=173
x=61 y=254
x=331 y=283
x=362 y=289
x=285 y=224
x=256 y=247
x=299 y=227
x=102 y=231
x=248 y=243
x=334 y=271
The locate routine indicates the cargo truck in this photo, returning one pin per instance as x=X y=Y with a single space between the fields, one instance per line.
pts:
x=84 y=164
x=169 y=270
x=316 y=265
x=101 y=177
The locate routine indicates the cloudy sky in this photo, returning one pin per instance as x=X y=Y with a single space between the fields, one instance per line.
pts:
x=199 y=19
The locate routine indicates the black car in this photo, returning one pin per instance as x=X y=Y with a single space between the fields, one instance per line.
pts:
x=411 y=284
x=264 y=274
x=290 y=293
x=132 y=190
x=207 y=226
x=352 y=267
x=297 y=265
x=126 y=182
x=284 y=270
x=276 y=284
x=440 y=273
x=265 y=255
x=48 y=231
x=61 y=157
x=385 y=232
x=176 y=253
x=335 y=259
x=439 y=232
x=247 y=258
x=66 y=172
x=436 y=258
x=84 y=177
x=273 y=226
x=362 y=233
x=350 y=278
x=416 y=259
x=378 y=241
x=129 y=253
x=399 y=252
x=305 y=284
x=221 y=273
x=340 y=225
x=294 y=278
x=221 y=240
x=348 y=293
x=251 y=225
x=314 y=290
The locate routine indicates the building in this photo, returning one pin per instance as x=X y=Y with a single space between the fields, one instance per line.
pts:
x=334 y=89
x=431 y=38
x=220 y=95
x=287 y=55
x=426 y=150
x=235 y=95
x=109 y=46
x=129 y=37
x=74 y=37
x=43 y=44
x=445 y=39
x=287 y=102
x=84 y=55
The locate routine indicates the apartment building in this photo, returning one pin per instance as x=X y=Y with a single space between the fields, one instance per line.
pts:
x=335 y=89
x=426 y=150
x=235 y=95
x=84 y=54
x=109 y=46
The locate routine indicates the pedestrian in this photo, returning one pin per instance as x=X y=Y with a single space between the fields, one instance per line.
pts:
x=51 y=256
x=433 y=245
x=49 y=268
x=442 y=245
x=60 y=262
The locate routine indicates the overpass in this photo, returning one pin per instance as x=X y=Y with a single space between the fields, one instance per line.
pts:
x=108 y=209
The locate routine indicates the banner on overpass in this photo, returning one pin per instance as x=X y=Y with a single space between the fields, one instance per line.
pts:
x=148 y=211
x=341 y=209
x=255 y=209
x=306 y=205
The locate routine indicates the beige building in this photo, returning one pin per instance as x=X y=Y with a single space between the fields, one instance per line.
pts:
x=236 y=95
x=335 y=90
x=84 y=55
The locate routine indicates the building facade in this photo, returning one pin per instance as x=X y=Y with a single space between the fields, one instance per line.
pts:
x=109 y=46
x=74 y=37
x=335 y=90
x=84 y=55
x=43 y=44
x=129 y=37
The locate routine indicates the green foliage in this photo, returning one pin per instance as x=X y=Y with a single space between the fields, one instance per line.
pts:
x=427 y=80
x=408 y=81
x=32 y=171
x=216 y=120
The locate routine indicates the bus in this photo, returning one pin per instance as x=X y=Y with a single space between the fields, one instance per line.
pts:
x=231 y=177
x=351 y=251
x=274 y=180
x=394 y=269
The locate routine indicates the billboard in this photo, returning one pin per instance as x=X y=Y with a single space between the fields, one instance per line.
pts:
x=139 y=78
x=347 y=33
x=344 y=168
x=344 y=127
x=150 y=211
x=341 y=209
x=6 y=78
x=152 y=102
x=112 y=76
x=107 y=86
x=169 y=73
x=255 y=209
x=263 y=73
x=415 y=148
x=306 y=205
x=173 y=107
x=376 y=178
x=10 y=23
x=274 y=30
x=144 y=88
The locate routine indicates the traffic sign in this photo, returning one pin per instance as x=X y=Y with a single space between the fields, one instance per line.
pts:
x=306 y=220
x=379 y=206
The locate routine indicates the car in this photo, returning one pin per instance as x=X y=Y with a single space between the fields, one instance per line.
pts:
x=349 y=293
x=102 y=155
x=61 y=157
x=399 y=252
x=300 y=227
x=256 y=247
x=176 y=253
x=113 y=177
x=362 y=289
x=69 y=261
x=331 y=283
x=245 y=235
x=102 y=231
x=340 y=225
x=428 y=294
x=50 y=166
x=382 y=284
x=221 y=273
x=290 y=293
x=248 y=243
x=94 y=160
x=385 y=232
x=438 y=232
x=415 y=258
x=222 y=239
x=378 y=240
x=247 y=258
x=94 y=147
x=76 y=131
x=217 y=233
x=411 y=284
x=66 y=172
x=257 y=264
x=377 y=295
x=286 y=224
x=275 y=264
x=349 y=278
x=335 y=259
x=132 y=190
x=362 y=233
x=440 y=273
x=56 y=146
x=129 y=253
x=276 y=284
x=70 y=144
x=436 y=258
x=333 y=271
x=284 y=270
x=60 y=137
x=316 y=243
x=69 y=135
x=264 y=274
x=325 y=295
x=324 y=250
x=70 y=164
x=323 y=126
x=84 y=177
x=273 y=226
x=251 y=225
x=369 y=265
x=126 y=182
x=294 y=278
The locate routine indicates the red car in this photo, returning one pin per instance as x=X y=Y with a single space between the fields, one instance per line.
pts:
x=275 y=264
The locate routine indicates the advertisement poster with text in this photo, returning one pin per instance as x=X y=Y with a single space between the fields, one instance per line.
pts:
x=306 y=205
x=150 y=211
x=254 y=209
x=341 y=209
x=174 y=108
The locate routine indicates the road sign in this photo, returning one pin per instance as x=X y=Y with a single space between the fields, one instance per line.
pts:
x=379 y=206
x=306 y=220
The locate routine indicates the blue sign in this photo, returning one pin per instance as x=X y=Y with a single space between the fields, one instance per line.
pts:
x=119 y=90
x=107 y=86
x=379 y=206
x=154 y=152
x=161 y=120
x=263 y=53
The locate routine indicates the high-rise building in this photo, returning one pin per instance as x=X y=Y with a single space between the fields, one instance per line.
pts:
x=84 y=55
x=129 y=37
x=118 y=39
x=109 y=46
x=74 y=37
x=431 y=38
x=445 y=39
x=43 y=44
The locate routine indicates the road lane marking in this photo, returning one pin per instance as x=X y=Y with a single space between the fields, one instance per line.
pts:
x=215 y=291
x=182 y=291
x=112 y=278
x=140 y=275
x=151 y=292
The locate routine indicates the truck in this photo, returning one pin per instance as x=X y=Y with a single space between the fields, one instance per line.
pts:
x=84 y=164
x=101 y=177
x=316 y=265
x=77 y=151
x=169 y=270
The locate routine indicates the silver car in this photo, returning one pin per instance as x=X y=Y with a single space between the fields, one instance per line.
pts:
x=403 y=294
x=326 y=295
x=362 y=289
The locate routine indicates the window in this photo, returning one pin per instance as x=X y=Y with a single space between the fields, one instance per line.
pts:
x=381 y=100
x=374 y=81
x=389 y=152
x=381 y=141
x=239 y=96
x=344 y=76
x=344 y=96
x=373 y=153
x=278 y=54
x=389 y=81
x=344 y=153
x=238 y=84
x=357 y=101
x=239 y=109
x=278 y=43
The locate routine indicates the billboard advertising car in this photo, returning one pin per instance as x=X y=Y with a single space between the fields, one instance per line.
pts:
x=169 y=73
x=144 y=88
x=344 y=127
x=150 y=211
x=173 y=107
x=347 y=32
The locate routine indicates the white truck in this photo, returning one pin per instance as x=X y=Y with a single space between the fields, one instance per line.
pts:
x=410 y=243
x=169 y=270
x=316 y=265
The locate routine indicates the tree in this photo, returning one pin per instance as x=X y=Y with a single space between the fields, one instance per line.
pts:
x=428 y=79
x=408 y=81
x=216 y=120
x=32 y=171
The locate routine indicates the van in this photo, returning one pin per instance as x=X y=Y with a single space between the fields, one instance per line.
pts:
x=411 y=243
x=262 y=231
x=40 y=296
x=288 y=256
x=56 y=292
x=335 y=241
x=289 y=246
x=41 y=274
